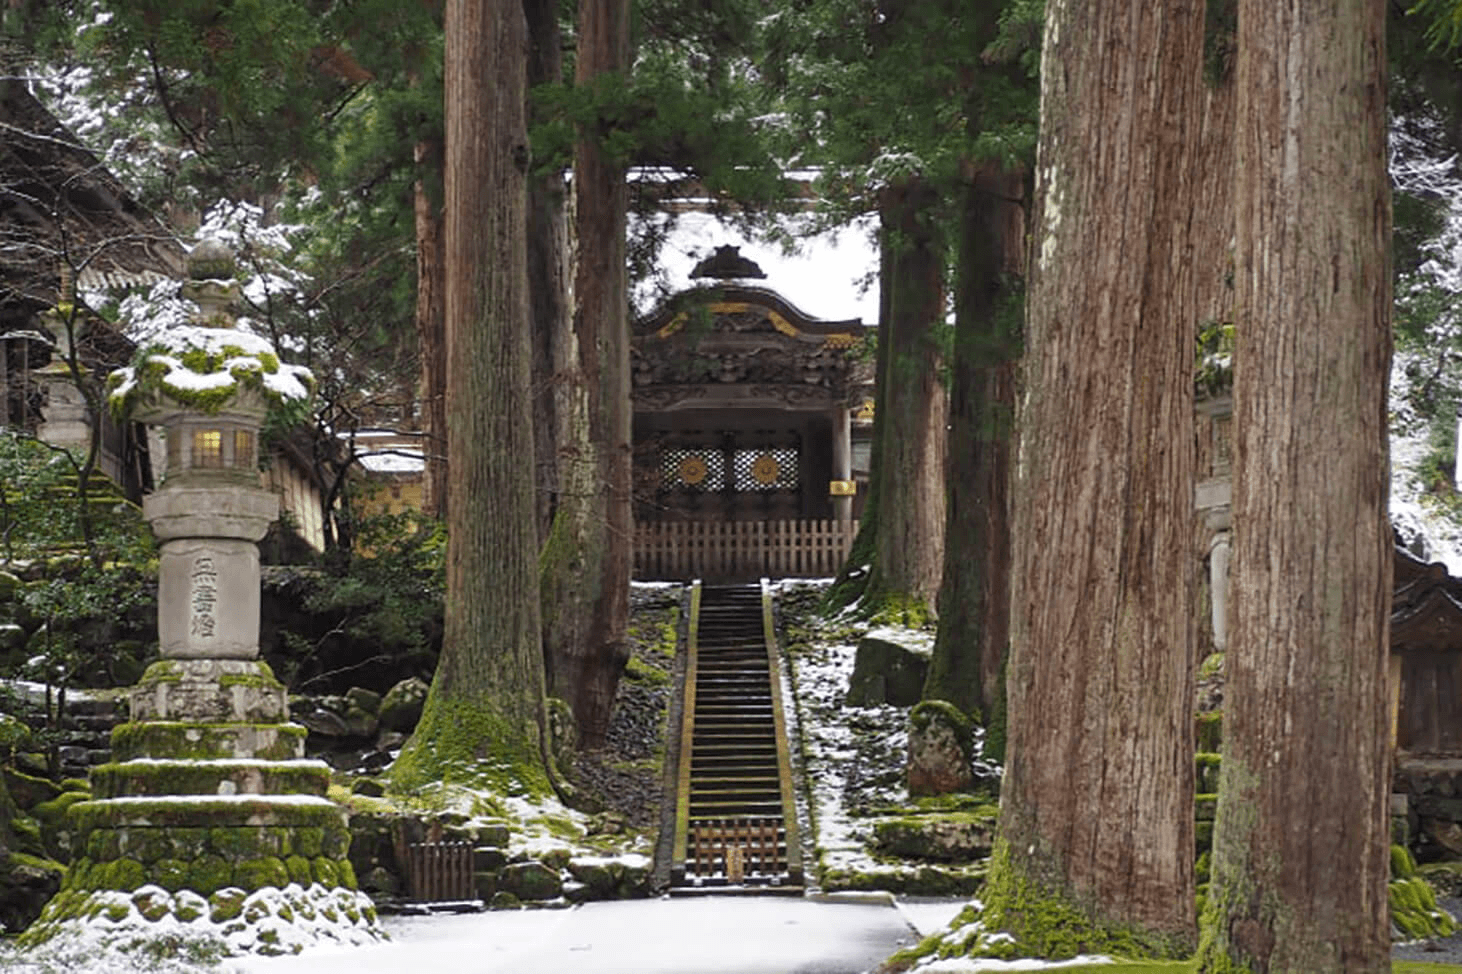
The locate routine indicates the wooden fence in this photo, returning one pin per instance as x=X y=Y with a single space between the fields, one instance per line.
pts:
x=438 y=872
x=741 y=550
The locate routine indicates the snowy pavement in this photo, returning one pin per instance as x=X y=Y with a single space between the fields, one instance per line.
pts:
x=701 y=935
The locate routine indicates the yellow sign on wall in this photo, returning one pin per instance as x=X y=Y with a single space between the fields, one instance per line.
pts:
x=842 y=488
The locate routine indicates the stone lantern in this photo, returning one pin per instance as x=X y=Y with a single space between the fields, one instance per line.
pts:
x=210 y=814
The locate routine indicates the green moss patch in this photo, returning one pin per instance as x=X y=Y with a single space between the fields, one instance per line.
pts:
x=1046 y=924
x=266 y=741
x=191 y=778
x=470 y=743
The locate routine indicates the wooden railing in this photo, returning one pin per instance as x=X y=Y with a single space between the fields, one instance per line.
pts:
x=741 y=550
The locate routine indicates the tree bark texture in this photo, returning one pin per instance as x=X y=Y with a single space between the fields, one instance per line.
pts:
x=587 y=561
x=974 y=596
x=486 y=700
x=431 y=330
x=852 y=580
x=547 y=275
x=1095 y=845
x=1300 y=861
x=913 y=406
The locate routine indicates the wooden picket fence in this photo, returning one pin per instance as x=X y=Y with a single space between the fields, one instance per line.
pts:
x=742 y=550
x=439 y=872
x=736 y=848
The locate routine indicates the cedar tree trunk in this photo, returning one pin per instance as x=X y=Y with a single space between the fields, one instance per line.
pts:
x=1300 y=850
x=913 y=406
x=586 y=561
x=1094 y=851
x=431 y=329
x=974 y=598
x=482 y=716
x=547 y=276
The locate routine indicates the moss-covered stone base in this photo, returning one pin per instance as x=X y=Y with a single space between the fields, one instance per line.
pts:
x=205 y=740
x=269 y=920
x=227 y=777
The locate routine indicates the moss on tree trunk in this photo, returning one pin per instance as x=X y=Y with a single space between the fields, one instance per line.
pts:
x=1306 y=697
x=483 y=713
x=1097 y=823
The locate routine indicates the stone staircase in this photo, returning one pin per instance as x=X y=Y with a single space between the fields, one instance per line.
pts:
x=735 y=799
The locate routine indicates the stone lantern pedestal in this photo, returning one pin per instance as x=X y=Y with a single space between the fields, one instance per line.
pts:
x=210 y=814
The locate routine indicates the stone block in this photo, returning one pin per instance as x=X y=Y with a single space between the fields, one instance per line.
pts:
x=183 y=690
x=208 y=599
x=184 y=777
x=531 y=880
x=401 y=706
x=208 y=741
x=941 y=749
x=959 y=837
x=885 y=671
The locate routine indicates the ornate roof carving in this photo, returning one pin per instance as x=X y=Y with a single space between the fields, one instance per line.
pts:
x=746 y=345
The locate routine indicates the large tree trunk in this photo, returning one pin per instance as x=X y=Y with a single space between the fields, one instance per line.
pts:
x=1305 y=721
x=431 y=328
x=552 y=328
x=852 y=580
x=486 y=701
x=586 y=561
x=913 y=406
x=974 y=597
x=1095 y=845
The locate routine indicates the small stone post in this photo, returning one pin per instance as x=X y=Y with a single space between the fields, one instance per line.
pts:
x=210 y=813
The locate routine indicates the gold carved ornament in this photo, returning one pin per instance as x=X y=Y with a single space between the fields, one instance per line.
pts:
x=692 y=470
x=766 y=469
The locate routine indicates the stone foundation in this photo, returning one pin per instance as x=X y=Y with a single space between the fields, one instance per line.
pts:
x=211 y=817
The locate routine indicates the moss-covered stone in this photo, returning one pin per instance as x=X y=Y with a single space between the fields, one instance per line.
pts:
x=309 y=842
x=226 y=904
x=26 y=835
x=336 y=842
x=1209 y=730
x=170 y=874
x=152 y=903
x=103 y=845
x=268 y=741
x=189 y=906
x=346 y=876
x=257 y=873
x=124 y=875
x=954 y=837
x=1402 y=865
x=209 y=873
x=299 y=870
x=325 y=871
x=1414 y=910
x=531 y=881
x=1206 y=766
x=187 y=777
x=503 y=900
x=28 y=790
x=199 y=812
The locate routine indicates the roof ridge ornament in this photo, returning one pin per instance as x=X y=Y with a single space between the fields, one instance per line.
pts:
x=726 y=263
